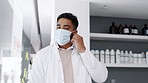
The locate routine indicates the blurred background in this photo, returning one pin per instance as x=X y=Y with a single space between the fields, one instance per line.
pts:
x=26 y=26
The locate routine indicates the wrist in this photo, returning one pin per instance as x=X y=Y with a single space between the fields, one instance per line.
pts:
x=83 y=50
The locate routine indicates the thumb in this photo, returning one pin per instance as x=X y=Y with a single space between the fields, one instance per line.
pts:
x=72 y=40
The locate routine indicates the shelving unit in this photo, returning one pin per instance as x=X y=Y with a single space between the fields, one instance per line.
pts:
x=121 y=37
x=118 y=37
x=101 y=39
x=128 y=65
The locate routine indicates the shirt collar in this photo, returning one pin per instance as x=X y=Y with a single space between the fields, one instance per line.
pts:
x=69 y=48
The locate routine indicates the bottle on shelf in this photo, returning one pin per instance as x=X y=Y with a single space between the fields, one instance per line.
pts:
x=146 y=57
x=97 y=54
x=107 y=55
x=102 y=56
x=145 y=30
x=131 y=58
x=126 y=30
x=117 y=57
x=126 y=57
x=134 y=30
x=93 y=52
x=112 y=54
x=136 y=60
x=122 y=58
x=113 y=29
x=120 y=29
x=140 y=58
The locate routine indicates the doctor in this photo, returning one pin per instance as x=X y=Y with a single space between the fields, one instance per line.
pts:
x=67 y=60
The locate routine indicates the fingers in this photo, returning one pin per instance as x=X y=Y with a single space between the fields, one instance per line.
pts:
x=77 y=38
x=74 y=38
x=72 y=34
x=75 y=32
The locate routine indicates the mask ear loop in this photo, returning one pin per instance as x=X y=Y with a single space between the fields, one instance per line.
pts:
x=71 y=35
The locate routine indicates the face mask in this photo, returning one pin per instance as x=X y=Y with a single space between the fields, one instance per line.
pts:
x=62 y=36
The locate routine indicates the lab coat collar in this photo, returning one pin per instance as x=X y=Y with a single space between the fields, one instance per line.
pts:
x=69 y=48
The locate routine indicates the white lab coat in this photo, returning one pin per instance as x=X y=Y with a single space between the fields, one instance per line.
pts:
x=47 y=67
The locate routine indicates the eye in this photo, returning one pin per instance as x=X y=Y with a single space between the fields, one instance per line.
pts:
x=58 y=27
x=66 y=28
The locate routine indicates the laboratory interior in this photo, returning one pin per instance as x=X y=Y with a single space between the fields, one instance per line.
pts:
x=114 y=31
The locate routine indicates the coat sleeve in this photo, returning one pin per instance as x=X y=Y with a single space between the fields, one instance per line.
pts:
x=96 y=69
x=36 y=74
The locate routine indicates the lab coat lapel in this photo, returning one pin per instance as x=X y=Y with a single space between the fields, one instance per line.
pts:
x=59 y=63
x=75 y=64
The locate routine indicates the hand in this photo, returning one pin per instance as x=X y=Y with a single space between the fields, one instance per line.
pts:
x=78 y=40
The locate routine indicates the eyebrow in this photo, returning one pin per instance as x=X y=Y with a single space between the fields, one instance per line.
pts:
x=67 y=25
x=58 y=25
x=64 y=25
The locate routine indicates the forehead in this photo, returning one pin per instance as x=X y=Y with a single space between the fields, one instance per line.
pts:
x=64 y=21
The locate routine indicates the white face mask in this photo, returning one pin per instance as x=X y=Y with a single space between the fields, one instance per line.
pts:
x=62 y=36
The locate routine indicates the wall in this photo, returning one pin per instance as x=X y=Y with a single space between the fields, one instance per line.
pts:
x=45 y=9
x=6 y=17
x=17 y=27
x=121 y=75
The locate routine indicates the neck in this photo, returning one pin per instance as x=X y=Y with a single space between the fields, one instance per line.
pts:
x=66 y=45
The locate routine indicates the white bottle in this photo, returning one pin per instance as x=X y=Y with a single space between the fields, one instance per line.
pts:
x=140 y=58
x=93 y=52
x=97 y=54
x=143 y=58
x=112 y=53
x=135 y=58
x=102 y=59
x=122 y=57
x=147 y=57
x=107 y=59
x=118 y=54
x=131 y=57
x=126 y=57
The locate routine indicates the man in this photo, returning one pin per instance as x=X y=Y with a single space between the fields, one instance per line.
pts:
x=67 y=60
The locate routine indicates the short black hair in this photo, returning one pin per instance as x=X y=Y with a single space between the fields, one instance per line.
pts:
x=71 y=17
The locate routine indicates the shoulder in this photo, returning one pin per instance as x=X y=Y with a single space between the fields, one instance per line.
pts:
x=47 y=48
x=43 y=52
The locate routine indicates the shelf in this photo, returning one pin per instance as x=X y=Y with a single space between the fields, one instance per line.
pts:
x=128 y=65
x=118 y=37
